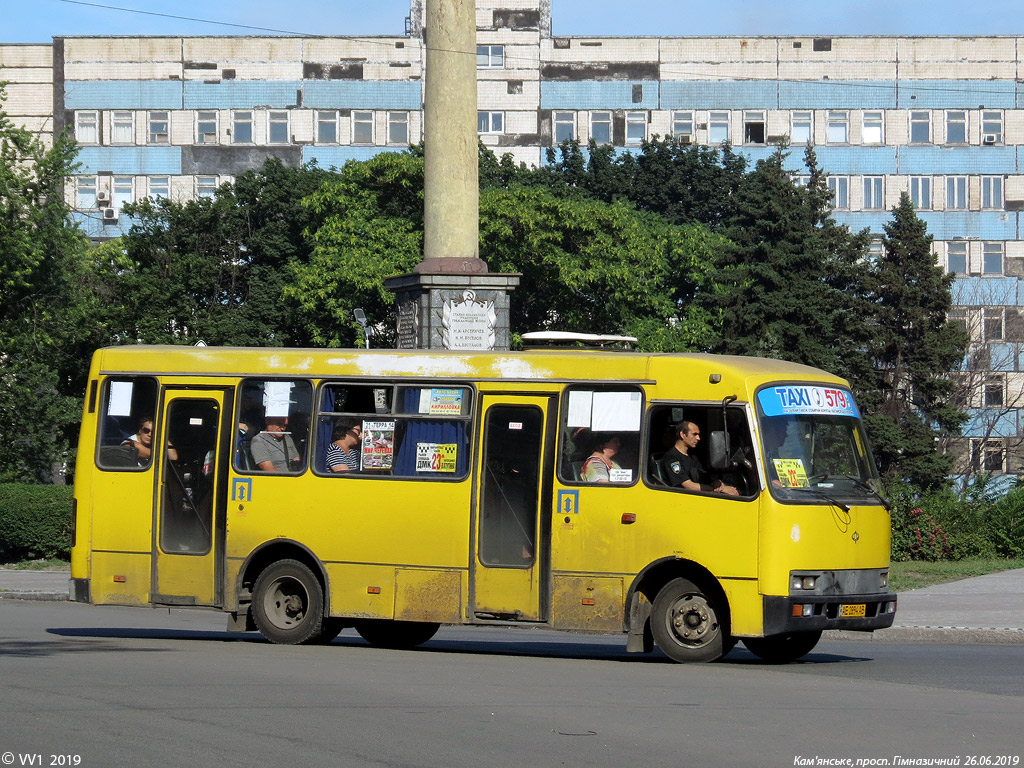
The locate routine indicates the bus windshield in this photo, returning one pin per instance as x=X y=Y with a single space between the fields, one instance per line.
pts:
x=814 y=445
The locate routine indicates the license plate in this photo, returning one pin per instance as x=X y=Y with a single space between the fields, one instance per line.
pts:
x=848 y=611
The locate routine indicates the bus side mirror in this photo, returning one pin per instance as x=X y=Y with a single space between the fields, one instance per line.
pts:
x=718 y=451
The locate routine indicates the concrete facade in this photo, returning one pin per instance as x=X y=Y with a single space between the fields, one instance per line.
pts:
x=939 y=118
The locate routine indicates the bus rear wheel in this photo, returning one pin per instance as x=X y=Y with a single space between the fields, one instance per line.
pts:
x=398 y=635
x=288 y=604
x=687 y=623
x=780 y=649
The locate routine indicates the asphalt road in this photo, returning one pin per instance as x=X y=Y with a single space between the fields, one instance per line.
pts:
x=145 y=687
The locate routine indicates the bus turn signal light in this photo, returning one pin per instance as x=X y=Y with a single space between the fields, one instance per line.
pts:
x=120 y=579
x=628 y=517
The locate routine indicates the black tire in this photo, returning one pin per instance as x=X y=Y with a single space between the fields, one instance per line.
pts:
x=688 y=624
x=330 y=630
x=399 y=635
x=780 y=649
x=288 y=604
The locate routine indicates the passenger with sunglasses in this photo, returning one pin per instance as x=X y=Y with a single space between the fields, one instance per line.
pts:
x=142 y=441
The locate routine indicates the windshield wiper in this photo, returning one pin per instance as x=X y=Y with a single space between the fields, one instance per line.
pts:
x=857 y=482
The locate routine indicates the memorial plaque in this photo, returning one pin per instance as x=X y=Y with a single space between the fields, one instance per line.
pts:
x=408 y=325
x=469 y=323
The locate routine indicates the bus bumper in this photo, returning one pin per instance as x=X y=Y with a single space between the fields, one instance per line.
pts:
x=853 y=613
x=78 y=590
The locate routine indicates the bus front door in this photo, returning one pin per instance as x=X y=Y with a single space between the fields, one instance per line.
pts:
x=189 y=526
x=511 y=559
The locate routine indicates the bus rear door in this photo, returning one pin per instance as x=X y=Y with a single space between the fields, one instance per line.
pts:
x=510 y=566
x=190 y=500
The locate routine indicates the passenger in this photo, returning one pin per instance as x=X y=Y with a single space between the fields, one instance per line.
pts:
x=142 y=441
x=273 y=450
x=682 y=468
x=343 y=452
x=599 y=465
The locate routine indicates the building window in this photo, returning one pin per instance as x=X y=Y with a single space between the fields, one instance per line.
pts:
x=85 y=192
x=956 y=258
x=362 y=127
x=801 y=181
x=873 y=132
x=920 y=127
x=838 y=127
x=839 y=186
x=565 y=126
x=991 y=127
x=876 y=250
x=956 y=193
x=490 y=56
x=277 y=126
x=159 y=128
x=206 y=127
x=123 y=190
x=682 y=125
x=241 y=127
x=956 y=127
x=206 y=186
x=87 y=127
x=992 y=259
x=753 y=128
x=987 y=456
x=874 y=198
x=159 y=186
x=921 y=192
x=601 y=127
x=327 y=127
x=490 y=122
x=993 y=324
x=398 y=128
x=994 y=393
x=636 y=127
x=718 y=127
x=992 y=192
x=802 y=131
x=122 y=128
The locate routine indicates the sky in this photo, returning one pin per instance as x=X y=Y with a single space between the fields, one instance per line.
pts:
x=37 y=21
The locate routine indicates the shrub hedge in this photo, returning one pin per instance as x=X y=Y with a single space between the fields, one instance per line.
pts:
x=35 y=521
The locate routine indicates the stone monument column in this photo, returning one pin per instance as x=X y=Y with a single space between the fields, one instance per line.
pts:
x=450 y=300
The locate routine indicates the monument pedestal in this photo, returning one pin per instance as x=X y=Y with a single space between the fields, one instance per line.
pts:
x=453 y=311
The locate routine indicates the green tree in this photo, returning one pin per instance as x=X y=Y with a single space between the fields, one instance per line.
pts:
x=787 y=281
x=913 y=350
x=46 y=322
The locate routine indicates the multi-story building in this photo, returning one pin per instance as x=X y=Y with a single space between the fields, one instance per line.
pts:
x=939 y=118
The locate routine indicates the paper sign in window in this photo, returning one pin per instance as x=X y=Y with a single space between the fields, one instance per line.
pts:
x=791 y=473
x=277 y=397
x=616 y=412
x=120 y=403
x=580 y=404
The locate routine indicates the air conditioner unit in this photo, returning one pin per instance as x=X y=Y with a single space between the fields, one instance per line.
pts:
x=989 y=138
x=102 y=196
x=109 y=215
x=685 y=138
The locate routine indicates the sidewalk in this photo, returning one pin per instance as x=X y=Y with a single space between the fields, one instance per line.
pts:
x=983 y=609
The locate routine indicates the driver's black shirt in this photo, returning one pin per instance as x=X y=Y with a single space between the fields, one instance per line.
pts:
x=678 y=467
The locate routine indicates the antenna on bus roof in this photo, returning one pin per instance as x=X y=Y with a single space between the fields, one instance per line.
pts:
x=568 y=339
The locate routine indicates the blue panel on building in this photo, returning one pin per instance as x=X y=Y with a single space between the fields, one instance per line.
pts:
x=336 y=157
x=160 y=161
x=361 y=94
x=837 y=94
x=872 y=161
x=93 y=225
x=961 y=160
x=706 y=94
x=242 y=94
x=1003 y=356
x=874 y=221
x=956 y=94
x=988 y=423
x=986 y=291
x=595 y=94
x=122 y=94
x=983 y=225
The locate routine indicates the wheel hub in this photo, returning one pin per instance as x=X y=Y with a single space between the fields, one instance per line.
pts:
x=692 y=620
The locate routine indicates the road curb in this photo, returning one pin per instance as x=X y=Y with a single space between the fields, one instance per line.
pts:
x=948 y=635
x=48 y=596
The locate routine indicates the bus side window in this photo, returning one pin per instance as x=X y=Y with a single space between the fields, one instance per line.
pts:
x=273 y=426
x=127 y=427
x=599 y=438
x=663 y=427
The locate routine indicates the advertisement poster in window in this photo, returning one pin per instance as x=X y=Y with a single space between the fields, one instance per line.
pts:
x=378 y=444
x=447 y=402
x=436 y=457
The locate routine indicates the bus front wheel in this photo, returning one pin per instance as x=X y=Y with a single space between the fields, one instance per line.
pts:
x=288 y=604
x=398 y=635
x=780 y=649
x=687 y=623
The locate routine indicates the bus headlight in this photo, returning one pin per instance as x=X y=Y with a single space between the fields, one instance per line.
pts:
x=803 y=582
x=883 y=580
